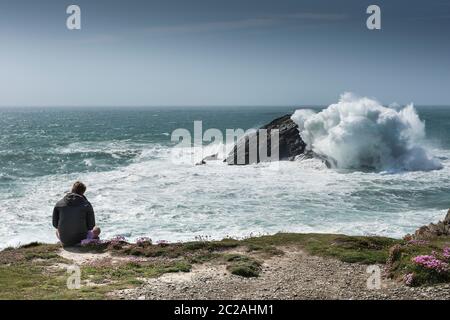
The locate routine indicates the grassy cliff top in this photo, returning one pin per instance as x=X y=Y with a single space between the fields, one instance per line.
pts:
x=39 y=271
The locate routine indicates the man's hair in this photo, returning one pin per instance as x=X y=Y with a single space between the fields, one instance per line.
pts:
x=79 y=188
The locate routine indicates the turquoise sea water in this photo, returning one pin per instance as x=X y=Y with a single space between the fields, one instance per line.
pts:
x=124 y=156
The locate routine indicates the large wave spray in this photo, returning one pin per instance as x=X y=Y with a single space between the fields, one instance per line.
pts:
x=360 y=133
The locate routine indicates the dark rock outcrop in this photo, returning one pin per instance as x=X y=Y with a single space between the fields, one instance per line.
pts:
x=208 y=158
x=442 y=228
x=290 y=143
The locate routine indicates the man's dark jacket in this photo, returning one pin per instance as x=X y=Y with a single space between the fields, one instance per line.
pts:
x=73 y=216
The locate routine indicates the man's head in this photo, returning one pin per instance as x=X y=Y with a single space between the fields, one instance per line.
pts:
x=79 y=188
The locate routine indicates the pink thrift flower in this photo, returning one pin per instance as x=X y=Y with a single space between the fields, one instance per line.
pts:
x=431 y=262
x=408 y=279
x=446 y=253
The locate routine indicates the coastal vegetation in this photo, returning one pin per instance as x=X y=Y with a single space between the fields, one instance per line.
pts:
x=39 y=271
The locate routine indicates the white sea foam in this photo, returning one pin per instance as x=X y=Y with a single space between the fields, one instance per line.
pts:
x=360 y=133
x=154 y=197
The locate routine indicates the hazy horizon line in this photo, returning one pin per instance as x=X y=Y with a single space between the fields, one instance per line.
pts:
x=197 y=106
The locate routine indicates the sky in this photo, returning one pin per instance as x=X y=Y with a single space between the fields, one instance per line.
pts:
x=222 y=53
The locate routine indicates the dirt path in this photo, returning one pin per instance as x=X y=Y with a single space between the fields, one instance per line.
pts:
x=295 y=275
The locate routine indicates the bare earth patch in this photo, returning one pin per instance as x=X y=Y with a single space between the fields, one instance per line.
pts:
x=77 y=256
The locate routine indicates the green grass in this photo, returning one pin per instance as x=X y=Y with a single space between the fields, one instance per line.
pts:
x=365 y=250
x=25 y=273
x=242 y=265
x=349 y=249
x=129 y=272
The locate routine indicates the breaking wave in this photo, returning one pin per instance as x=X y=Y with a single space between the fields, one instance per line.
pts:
x=358 y=133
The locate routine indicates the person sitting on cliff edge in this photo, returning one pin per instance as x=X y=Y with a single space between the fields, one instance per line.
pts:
x=74 y=218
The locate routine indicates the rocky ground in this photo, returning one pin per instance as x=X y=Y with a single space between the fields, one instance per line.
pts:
x=295 y=275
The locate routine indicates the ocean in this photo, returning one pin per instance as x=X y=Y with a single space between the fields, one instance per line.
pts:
x=125 y=156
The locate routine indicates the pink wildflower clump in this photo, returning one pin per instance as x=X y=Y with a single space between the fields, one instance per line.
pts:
x=431 y=262
x=162 y=243
x=117 y=241
x=88 y=242
x=409 y=279
x=446 y=253
x=418 y=242
x=143 y=241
